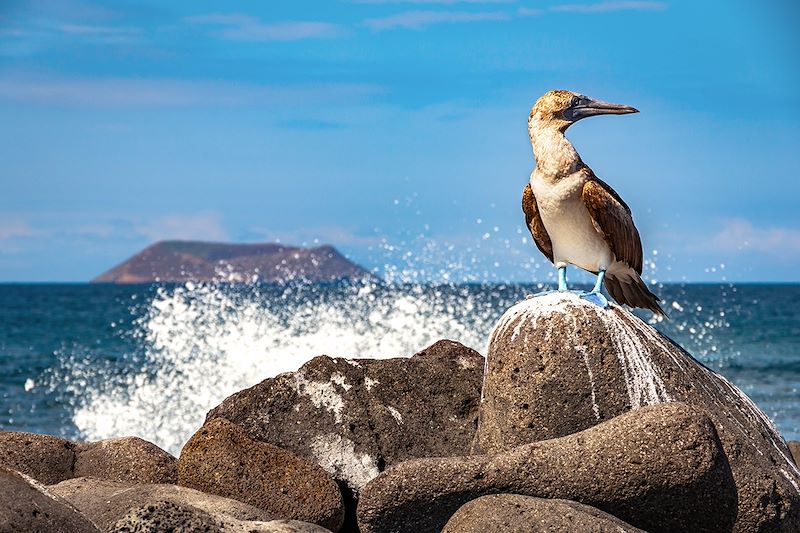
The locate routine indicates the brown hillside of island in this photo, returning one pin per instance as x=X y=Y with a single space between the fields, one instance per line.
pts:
x=181 y=261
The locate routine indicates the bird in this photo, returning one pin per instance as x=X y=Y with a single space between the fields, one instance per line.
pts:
x=574 y=217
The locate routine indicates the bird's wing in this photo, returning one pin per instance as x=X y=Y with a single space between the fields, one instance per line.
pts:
x=535 y=224
x=612 y=218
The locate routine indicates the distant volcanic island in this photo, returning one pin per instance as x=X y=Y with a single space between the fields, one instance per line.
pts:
x=182 y=261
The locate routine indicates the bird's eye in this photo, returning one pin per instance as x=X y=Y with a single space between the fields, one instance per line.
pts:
x=575 y=101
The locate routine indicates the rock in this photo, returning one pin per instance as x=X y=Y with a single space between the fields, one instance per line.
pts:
x=222 y=459
x=51 y=460
x=126 y=459
x=660 y=468
x=525 y=514
x=105 y=502
x=794 y=448
x=356 y=417
x=170 y=516
x=27 y=506
x=558 y=364
x=45 y=458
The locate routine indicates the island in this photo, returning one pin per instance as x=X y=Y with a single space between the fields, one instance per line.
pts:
x=182 y=261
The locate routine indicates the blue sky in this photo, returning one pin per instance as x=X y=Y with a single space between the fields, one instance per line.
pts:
x=393 y=129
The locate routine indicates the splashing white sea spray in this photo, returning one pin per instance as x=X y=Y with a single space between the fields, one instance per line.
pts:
x=203 y=342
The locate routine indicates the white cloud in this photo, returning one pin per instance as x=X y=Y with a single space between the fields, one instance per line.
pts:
x=16 y=229
x=82 y=29
x=132 y=92
x=530 y=12
x=607 y=7
x=240 y=27
x=416 y=20
x=201 y=226
x=739 y=234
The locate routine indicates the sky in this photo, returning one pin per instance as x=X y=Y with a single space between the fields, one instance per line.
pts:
x=395 y=130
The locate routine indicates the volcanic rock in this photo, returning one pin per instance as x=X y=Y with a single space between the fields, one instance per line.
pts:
x=355 y=417
x=794 y=447
x=106 y=502
x=45 y=458
x=558 y=364
x=170 y=516
x=660 y=468
x=27 y=506
x=126 y=459
x=222 y=459
x=525 y=514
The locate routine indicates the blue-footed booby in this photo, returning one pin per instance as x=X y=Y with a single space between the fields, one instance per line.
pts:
x=575 y=218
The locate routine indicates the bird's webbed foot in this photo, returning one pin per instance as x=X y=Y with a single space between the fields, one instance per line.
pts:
x=596 y=298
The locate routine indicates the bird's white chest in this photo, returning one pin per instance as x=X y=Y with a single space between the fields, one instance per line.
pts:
x=568 y=223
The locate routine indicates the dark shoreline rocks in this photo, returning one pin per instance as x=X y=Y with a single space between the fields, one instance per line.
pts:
x=222 y=459
x=357 y=417
x=45 y=458
x=526 y=514
x=660 y=468
x=558 y=364
x=128 y=459
x=105 y=502
x=27 y=506
x=590 y=421
x=51 y=460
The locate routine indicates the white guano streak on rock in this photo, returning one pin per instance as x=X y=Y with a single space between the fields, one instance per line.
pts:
x=581 y=349
x=369 y=382
x=338 y=456
x=395 y=413
x=341 y=381
x=645 y=386
x=321 y=393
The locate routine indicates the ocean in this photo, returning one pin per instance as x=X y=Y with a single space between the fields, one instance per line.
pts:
x=89 y=362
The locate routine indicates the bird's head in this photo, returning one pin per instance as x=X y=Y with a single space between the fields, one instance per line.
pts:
x=561 y=109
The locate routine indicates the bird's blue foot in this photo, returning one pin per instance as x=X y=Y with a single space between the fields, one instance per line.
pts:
x=596 y=298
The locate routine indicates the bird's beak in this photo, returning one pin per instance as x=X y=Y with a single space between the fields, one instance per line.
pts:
x=590 y=108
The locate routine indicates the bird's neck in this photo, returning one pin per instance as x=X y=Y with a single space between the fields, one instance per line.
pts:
x=555 y=155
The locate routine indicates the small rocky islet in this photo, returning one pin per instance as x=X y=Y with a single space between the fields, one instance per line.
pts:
x=578 y=419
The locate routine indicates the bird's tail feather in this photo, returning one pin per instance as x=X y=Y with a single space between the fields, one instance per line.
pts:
x=628 y=288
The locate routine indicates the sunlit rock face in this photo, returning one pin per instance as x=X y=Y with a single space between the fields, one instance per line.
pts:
x=557 y=364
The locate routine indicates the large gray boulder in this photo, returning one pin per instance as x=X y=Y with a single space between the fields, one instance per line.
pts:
x=222 y=459
x=525 y=514
x=29 y=507
x=659 y=468
x=557 y=364
x=106 y=502
x=356 y=417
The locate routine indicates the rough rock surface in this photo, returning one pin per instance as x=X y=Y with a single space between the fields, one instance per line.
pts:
x=105 y=502
x=525 y=514
x=660 y=468
x=356 y=417
x=26 y=506
x=50 y=460
x=557 y=364
x=222 y=459
x=125 y=459
x=45 y=458
x=794 y=448
x=162 y=516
